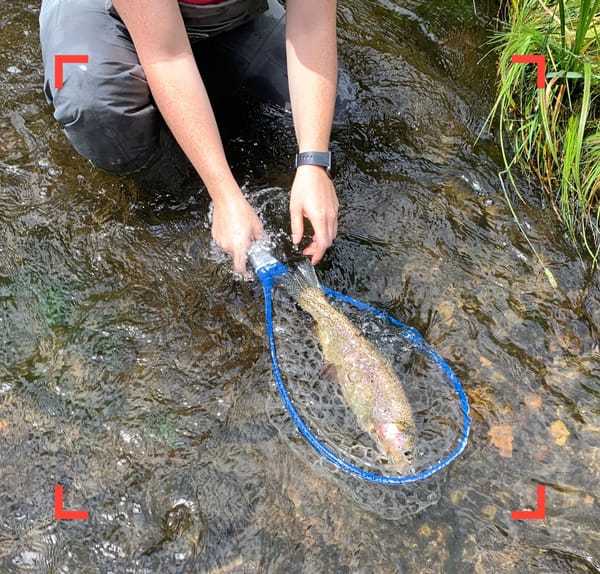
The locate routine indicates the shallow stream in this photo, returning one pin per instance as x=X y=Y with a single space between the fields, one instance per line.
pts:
x=134 y=368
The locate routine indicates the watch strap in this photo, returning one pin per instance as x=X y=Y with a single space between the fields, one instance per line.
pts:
x=320 y=158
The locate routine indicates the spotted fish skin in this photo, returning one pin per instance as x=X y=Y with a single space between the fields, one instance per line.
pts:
x=368 y=381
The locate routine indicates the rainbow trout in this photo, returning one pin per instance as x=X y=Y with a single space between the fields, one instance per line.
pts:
x=368 y=381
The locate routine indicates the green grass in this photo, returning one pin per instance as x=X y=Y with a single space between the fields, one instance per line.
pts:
x=554 y=132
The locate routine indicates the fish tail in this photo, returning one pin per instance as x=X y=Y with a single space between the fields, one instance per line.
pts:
x=304 y=277
x=308 y=274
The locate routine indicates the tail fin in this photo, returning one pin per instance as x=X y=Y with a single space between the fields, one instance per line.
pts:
x=302 y=278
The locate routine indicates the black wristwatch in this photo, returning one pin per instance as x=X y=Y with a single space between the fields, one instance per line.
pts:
x=321 y=158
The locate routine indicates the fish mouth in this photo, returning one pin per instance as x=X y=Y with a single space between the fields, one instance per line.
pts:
x=395 y=444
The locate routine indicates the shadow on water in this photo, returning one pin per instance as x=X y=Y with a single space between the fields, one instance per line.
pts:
x=134 y=368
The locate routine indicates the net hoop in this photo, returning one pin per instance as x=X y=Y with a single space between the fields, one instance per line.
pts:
x=267 y=275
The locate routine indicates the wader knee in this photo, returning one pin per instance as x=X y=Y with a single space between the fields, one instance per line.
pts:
x=109 y=120
x=104 y=106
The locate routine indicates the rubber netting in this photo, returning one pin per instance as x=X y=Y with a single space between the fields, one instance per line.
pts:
x=437 y=411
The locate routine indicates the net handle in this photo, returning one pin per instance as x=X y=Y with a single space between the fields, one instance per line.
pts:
x=267 y=275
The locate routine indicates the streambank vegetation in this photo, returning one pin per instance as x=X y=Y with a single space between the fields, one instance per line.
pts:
x=554 y=131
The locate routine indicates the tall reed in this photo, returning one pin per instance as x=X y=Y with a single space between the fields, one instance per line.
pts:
x=554 y=131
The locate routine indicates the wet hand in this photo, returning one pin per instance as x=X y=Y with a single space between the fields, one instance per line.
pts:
x=235 y=227
x=313 y=196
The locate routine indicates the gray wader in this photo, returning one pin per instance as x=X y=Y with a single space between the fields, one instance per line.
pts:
x=105 y=106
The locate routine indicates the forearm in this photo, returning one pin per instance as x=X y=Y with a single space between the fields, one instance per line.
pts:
x=165 y=54
x=187 y=111
x=161 y=43
x=312 y=69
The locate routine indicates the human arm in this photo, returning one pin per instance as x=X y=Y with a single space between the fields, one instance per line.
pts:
x=158 y=33
x=312 y=72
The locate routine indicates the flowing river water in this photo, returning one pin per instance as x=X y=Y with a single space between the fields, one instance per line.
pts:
x=134 y=369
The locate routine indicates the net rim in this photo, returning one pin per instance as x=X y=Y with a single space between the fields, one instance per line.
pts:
x=267 y=275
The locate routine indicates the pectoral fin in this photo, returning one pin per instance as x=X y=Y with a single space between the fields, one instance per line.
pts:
x=329 y=373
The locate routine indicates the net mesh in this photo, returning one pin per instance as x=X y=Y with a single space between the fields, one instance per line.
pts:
x=318 y=399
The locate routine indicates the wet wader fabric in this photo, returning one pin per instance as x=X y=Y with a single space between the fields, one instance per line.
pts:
x=205 y=21
x=105 y=106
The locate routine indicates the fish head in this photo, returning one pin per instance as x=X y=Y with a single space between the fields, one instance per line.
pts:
x=395 y=442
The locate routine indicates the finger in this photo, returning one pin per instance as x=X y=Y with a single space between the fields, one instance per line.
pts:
x=309 y=250
x=239 y=261
x=333 y=230
x=259 y=231
x=315 y=251
x=297 y=225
